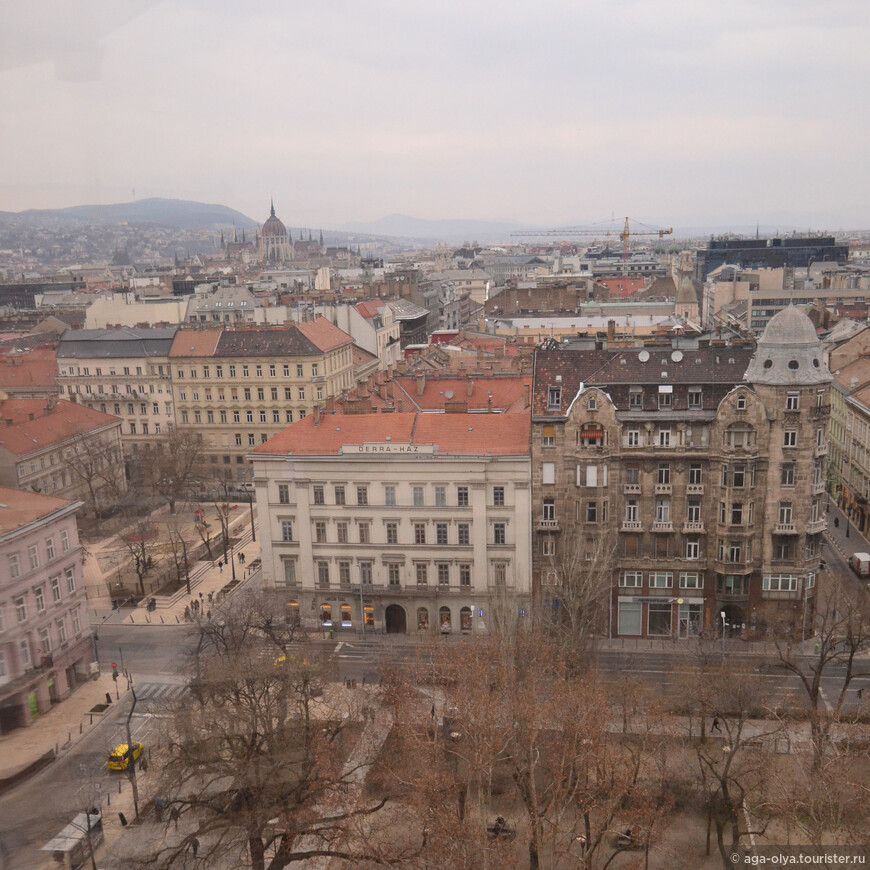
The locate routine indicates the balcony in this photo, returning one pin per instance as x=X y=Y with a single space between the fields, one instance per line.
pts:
x=820 y=413
x=820 y=450
x=693 y=528
x=631 y=526
x=816 y=526
x=661 y=526
x=664 y=489
x=785 y=529
x=548 y=525
x=631 y=489
x=695 y=489
x=817 y=487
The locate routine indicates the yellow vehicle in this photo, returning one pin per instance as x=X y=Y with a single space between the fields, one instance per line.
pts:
x=120 y=756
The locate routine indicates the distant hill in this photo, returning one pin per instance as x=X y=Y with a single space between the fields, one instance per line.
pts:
x=178 y=213
x=407 y=227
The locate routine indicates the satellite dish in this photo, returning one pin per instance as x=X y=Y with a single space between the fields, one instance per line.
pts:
x=643 y=356
x=448 y=394
x=677 y=355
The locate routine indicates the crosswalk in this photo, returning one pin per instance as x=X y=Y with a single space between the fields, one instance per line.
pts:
x=152 y=697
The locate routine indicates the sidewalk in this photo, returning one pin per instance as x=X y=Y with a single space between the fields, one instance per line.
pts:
x=58 y=729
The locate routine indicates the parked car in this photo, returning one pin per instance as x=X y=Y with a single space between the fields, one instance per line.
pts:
x=121 y=755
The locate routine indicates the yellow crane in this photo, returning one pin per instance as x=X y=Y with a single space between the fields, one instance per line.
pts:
x=625 y=234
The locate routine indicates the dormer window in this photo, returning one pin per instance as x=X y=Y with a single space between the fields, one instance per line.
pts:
x=592 y=404
x=554 y=398
x=741 y=403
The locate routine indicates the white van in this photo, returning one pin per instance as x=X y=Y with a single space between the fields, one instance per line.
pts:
x=860 y=564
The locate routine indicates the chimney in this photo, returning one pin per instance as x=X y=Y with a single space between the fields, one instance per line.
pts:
x=469 y=388
x=10 y=421
x=421 y=384
x=330 y=403
x=611 y=330
x=525 y=395
x=317 y=415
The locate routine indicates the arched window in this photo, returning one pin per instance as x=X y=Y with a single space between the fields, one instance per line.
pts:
x=345 y=616
x=291 y=612
x=739 y=435
x=444 y=619
x=465 y=619
x=326 y=615
x=422 y=619
x=369 y=614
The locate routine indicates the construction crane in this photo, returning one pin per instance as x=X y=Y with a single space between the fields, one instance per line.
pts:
x=625 y=234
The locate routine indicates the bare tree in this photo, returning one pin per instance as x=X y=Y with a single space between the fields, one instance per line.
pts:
x=137 y=540
x=261 y=762
x=177 y=547
x=841 y=637
x=174 y=465
x=98 y=466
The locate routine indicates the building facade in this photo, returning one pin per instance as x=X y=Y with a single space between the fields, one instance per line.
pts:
x=123 y=372
x=45 y=636
x=239 y=387
x=402 y=522
x=703 y=469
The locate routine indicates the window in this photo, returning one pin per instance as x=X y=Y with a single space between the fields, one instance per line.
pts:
x=785 y=513
x=286 y=530
x=464 y=574
x=262 y=416
x=320 y=532
x=548 y=436
x=691 y=580
x=238 y=439
x=61 y=630
x=660 y=579
x=462 y=496
x=499 y=533
x=69 y=573
x=736 y=513
x=75 y=617
x=548 y=472
x=392 y=533
x=782 y=549
x=45 y=641
x=55 y=588
x=421 y=570
x=664 y=437
x=629 y=614
x=548 y=546
x=443 y=573
x=272 y=370
x=289 y=571
x=631 y=511
x=245 y=371
x=249 y=416
x=789 y=438
x=664 y=473
x=20 y=609
x=393 y=574
x=695 y=398
x=463 y=531
x=792 y=401
x=739 y=435
x=323 y=573
x=184 y=417
x=33 y=555
x=301 y=392
x=738 y=476
x=419 y=533
x=693 y=510
x=39 y=598
x=787 y=475
x=298 y=371
x=344 y=573
x=390 y=495
x=592 y=404
x=548 y=510
x=318 y=494
x=365 y=573
x=591 y=512
x=341 y=531
x=665 y=397
x=659 y=615
x=633 y=438
x=14 y=566
x=735 y=551
x=554 y=398
x=339 y=495
x=663 y=510
x=24 y=649
x=362 y=495
x=49 y=548
x=440 y=496
x=779 y=583
x=632 y=474
x=251 y=439
x=418 y=496
x=635 y=398
x=441 y=534
x=498 y=496
x=693 y=548
x=365 y=535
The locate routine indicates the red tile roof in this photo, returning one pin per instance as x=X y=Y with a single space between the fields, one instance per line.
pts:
x=195 y=342
x=454 y=434
x=620 y=287
x=35 y=368
x=325 y=335
x=18 y=507
x=24 y=435
x=487 y=393
x=368 y=308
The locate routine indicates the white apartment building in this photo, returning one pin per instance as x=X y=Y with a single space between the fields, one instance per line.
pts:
x=403 y=523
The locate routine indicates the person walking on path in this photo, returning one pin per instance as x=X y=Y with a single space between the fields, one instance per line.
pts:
x=715 y=725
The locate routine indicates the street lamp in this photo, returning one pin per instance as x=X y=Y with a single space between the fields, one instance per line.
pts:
x=722 y=614
x=251 y=506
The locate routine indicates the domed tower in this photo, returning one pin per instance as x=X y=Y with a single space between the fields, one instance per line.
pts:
x=791 y=379
x=275 y=245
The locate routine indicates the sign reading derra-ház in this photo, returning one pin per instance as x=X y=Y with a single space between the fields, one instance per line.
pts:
x=389 y=447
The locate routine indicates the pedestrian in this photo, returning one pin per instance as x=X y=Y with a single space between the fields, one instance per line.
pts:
x=108 y=698
x=187 y=614
x=174 y=813
x=210 y=597
x=220 y=567
x=194 y=846
x=200 y=594
x=432 y=714
x=836 y=522
x=860 y=694
x=241 y=558
x=715 y=725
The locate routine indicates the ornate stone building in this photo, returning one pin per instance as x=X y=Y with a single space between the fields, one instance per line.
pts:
x=273 y=241
x=701 y=467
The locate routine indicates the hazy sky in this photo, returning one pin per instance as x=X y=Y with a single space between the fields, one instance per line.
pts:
x=673 y=111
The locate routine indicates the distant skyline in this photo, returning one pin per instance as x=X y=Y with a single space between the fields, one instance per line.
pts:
x=679 y=112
